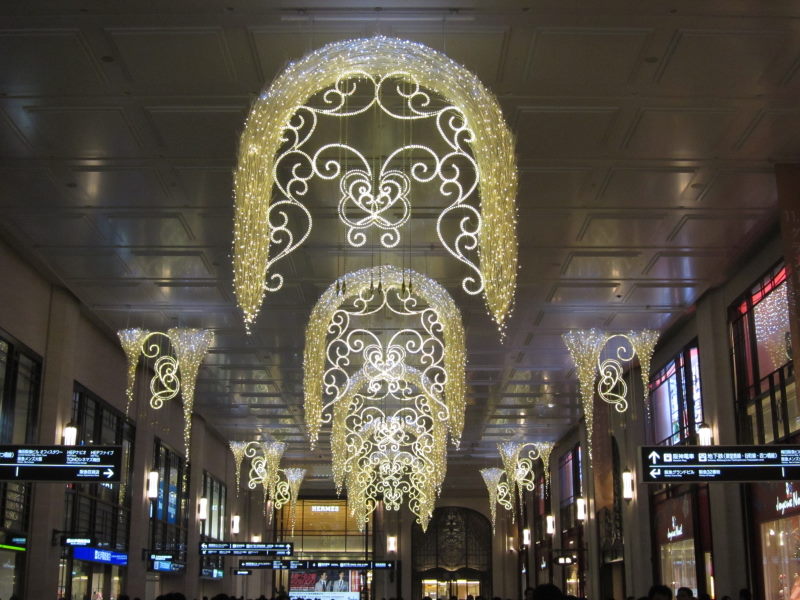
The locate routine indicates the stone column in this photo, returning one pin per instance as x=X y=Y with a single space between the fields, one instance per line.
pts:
x=47 y=506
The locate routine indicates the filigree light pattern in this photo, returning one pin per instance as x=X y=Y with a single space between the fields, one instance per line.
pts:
x=475 y=118
x=335 y=347
x=177 y=356
x=586 y=348
x=238 y=450
x=265 y=459
x=499 y=492
x=389 y=442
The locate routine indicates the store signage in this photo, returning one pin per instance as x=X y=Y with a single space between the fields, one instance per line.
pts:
x=99 y=555
x=161 y=557
x=662 y=464
x=167 y=566
x=17 y=543
x=67 y=464
x=76 y=541
x=791 y=501
x=363 y=565
x=325 y=508
x=675 y=530
x=245 y=549
x=243 y=572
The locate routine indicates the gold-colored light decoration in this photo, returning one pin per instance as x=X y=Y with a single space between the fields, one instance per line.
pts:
x=191 y=347
x=238 y=450
x=586 y=348
x=281 y=122
x=333 y=341
x=545 y=449
x=177 y=356
x=389 y=442
x=132 y=341
x=265 y=469
x=287 y=490
x=499 y=492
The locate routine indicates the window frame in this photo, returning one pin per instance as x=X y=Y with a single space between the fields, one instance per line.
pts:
x=687 y=403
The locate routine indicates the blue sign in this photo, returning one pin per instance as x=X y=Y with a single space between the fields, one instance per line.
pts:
x=99 y=555
x=211 y=573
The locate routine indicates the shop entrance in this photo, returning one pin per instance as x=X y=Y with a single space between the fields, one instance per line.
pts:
x=454 y=588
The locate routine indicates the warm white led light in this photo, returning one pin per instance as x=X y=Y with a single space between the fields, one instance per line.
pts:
x=704 y=434
x=256 y=539
x=152 y=484
x=526 y=537
x=627 y=485
x=550 y=525
x=235 y=524
x=279 y=116
x=70 y=434
x=202 y=509
x=580 y=509
x=391 y=543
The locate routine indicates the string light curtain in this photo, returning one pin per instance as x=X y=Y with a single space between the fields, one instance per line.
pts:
x=259 y=221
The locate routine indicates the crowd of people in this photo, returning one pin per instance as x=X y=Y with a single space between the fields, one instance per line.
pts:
x=546 y=591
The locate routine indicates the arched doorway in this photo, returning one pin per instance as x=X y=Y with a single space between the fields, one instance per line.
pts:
x=454 y=556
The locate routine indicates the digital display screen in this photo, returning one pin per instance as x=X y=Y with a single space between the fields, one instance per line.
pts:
x=324 y=584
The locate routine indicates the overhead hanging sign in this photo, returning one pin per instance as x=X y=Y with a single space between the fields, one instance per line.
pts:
x=100 y=555
x=245 y=549
x=664 y=464
x=68 y=464
x=361 y=565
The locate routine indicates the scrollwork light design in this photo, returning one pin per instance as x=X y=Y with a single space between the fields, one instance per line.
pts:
x=334 y=342
x=177 y=356
x=586 y=348
x=287 y=491
x=238 y=449
x=280 y=123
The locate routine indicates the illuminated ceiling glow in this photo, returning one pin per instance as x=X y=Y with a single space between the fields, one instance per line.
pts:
x=280 y=116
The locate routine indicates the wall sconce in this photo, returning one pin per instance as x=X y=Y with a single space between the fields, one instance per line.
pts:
x=704 y=434
x=202 y=509
x=69 y=435
x=391 y=543
x=152 y=484
x=526 y=537
x=580 y=509
x=627 y=485
x=256 y=539
x=235 y=524
x=550 y=525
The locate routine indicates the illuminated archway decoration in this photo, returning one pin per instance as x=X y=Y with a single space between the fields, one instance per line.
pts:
x=278 y=117
x=586 y=349
x=437 y=342
x=389 y=443
x=177 y=356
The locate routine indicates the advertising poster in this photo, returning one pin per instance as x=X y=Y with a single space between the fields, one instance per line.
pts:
x=323 y=584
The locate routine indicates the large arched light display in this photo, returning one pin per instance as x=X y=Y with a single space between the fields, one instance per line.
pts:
x=278 y=159
x=393 y=392
x=334 y=341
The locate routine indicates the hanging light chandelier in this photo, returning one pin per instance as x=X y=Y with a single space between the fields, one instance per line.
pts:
x=517 y=474
x=177 y=356
x=389 y=442
x=277 y=153
x=586 y=349
x=279 y=486
x=391 y=417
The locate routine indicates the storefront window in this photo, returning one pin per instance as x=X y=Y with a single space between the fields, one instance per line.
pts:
x=322 y=526
x=213 y=528
x=676 y=399
x=571 y=488
x=170 y=518
x=776 y=510
x=762 y=361
x=20 y=373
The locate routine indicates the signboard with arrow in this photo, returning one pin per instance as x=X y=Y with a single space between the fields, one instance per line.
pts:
x=672 y=464
x=68 y=464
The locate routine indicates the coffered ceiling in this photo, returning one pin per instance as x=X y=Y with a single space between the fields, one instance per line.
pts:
x=646 y=135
